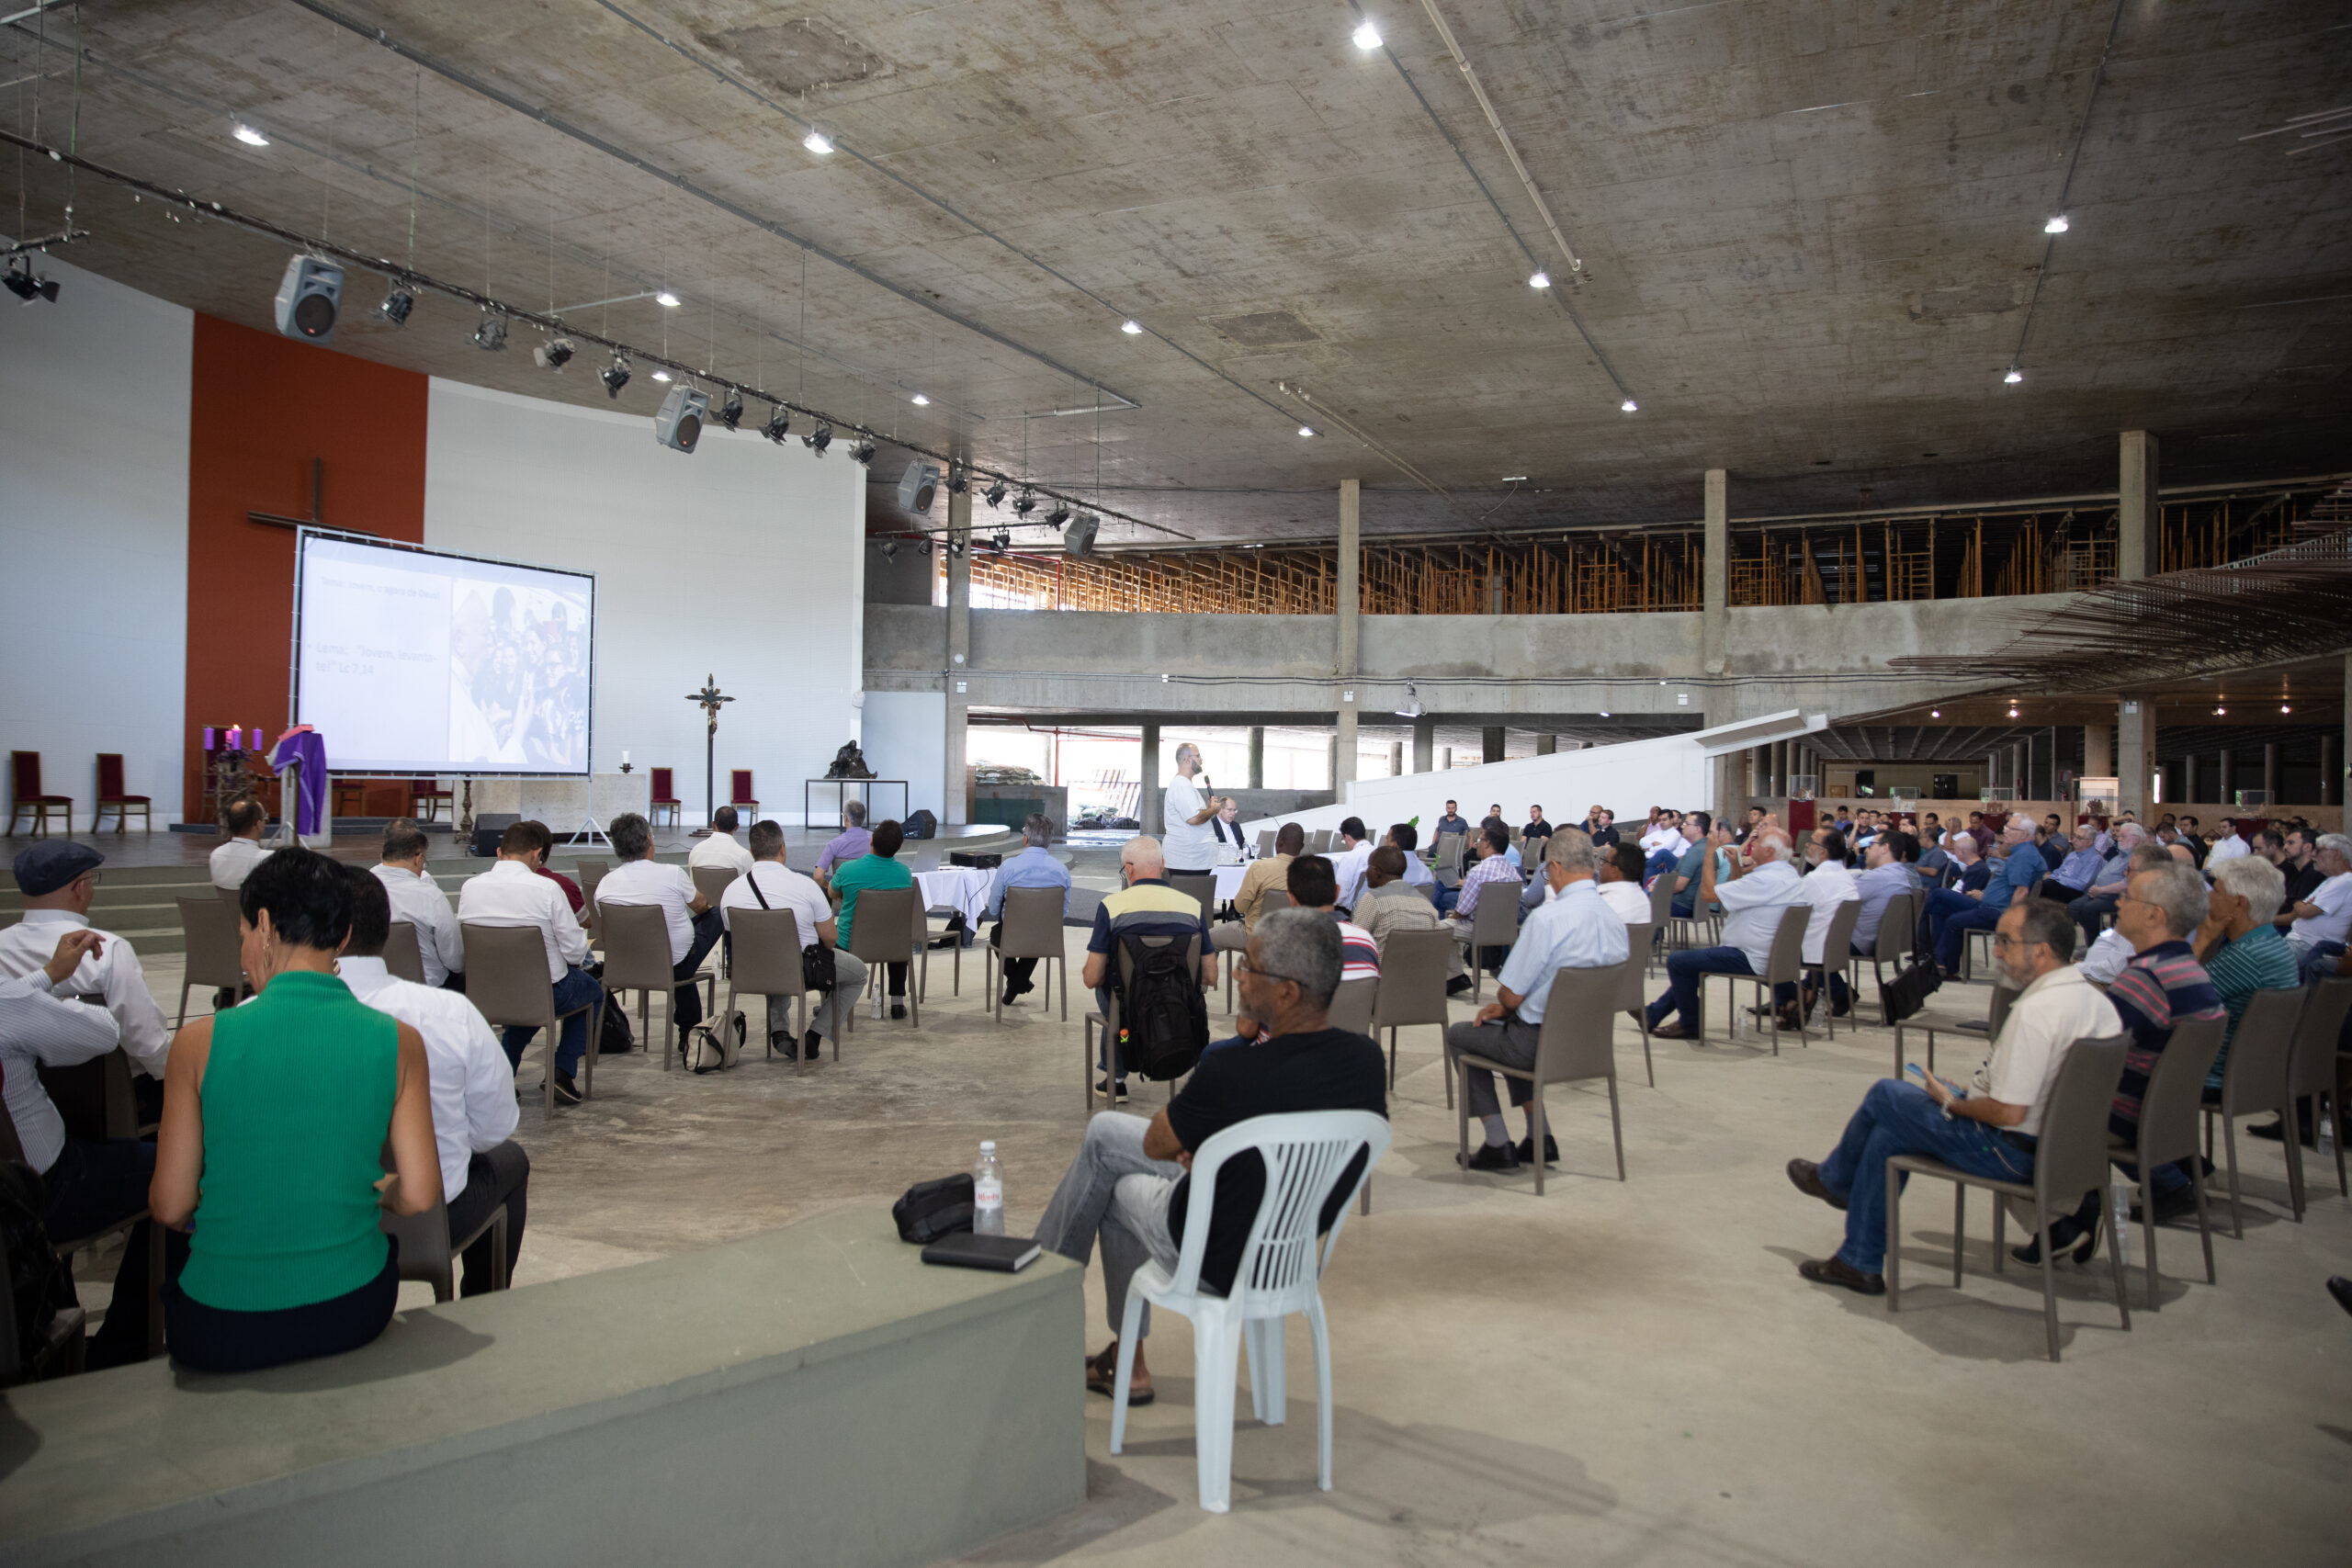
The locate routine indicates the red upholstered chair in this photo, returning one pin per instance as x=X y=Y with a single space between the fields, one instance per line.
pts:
x=110 y=793
x=24 y=779
x=738 y=786
x=426 y=797
x=664 y=793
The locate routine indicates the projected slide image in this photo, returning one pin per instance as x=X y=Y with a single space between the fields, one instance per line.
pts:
x=410 y=661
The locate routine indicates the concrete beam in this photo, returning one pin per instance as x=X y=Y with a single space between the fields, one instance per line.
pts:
x=2139 y=531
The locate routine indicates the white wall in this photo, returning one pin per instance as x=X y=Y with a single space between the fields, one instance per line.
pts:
x=905 y=738
x=93 y=449
x=743 y=561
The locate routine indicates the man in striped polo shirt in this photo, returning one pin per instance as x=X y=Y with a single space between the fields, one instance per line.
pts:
x=1147 y=906
x=1314 y=883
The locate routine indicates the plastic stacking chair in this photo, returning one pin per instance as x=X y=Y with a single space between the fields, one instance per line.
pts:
x=2167 y=1131
x=1031 y=927
x=1630 y=996
x=637 y=958
x=1412 y=987
x=2070 y=1162
x=403 y=959
x=232 y=900
x=767 y=963
x=1785 y=966
x=2255 y=1077
x=712 y=882
x=110 y=793
x=506 y=979
x=1574 y=1043
x=1108 y=1022
x=210 y=932
x=1837 y=954
x=662 y=794
x=1352 y=1006
x=428 y=1253
x=2310 y=1074
x=1932 y=1021
x=1446 y=860
x=1306 y=1157
x=1265 y=843
x=882 y=931
x=1495 y=924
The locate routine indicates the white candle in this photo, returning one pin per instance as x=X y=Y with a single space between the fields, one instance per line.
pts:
x=624 y=756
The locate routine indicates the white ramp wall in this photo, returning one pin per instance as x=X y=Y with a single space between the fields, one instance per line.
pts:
x=743 y=561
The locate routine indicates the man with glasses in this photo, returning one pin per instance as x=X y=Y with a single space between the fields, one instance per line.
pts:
x=1986 y=1129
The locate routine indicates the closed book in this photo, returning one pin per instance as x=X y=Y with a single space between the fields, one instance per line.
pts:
x=1005 y=1253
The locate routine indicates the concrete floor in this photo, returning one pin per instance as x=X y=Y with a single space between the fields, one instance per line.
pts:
x=1609 y=1373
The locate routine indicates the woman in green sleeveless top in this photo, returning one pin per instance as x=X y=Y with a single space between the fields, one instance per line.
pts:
x=276 y=1116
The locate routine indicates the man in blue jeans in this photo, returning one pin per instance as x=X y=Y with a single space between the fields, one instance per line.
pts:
x=1762 y=884
x=1987 y=1129
x=1953 y=913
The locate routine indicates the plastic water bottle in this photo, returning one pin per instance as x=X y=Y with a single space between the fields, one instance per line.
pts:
x=988 y=1192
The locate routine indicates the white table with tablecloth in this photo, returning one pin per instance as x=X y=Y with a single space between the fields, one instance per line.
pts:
x=962 y=888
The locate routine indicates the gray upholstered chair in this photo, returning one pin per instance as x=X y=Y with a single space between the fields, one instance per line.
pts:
x=1031 y=927
x=506 y=979
x=2167 y=1129
x=2255 y=1077
x=402 y=957
x=1575 y=1041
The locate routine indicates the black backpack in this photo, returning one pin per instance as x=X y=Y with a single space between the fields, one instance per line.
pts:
x=39 y=1284
x=1163 y=1019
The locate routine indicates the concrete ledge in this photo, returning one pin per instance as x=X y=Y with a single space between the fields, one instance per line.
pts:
x=814 y=1394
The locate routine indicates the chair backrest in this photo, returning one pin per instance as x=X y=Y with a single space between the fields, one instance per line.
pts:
x=662 y=788
x=2070 y=1156
x=402 y=956
x=210 y=931
x=637 y=948
x=1576 y=1038
x=2314 y=1068
x=110 y=774
x=1033 y=923
x=233 y=900
x=1305 y=1152
x=2260 y=1052
x=1274 y=898
x=1896 y=925
x=767 y=952
x=2168 y=1106
x=423 y=1239
x=1787 y=960
x=1495 y=923
x=1317 y=842
x=712 y=880
x=1837 y=941
x=94 y=1098
x=24 y=773
x=1637 y=956
x=1447 y=851
x=1412 y=979
x=2003 y=998
x=882 y=924
x=1662 y=892
x=506 y=973
x=1352 y=1006
x=1204 y=888
x=1265 y=843
x=739 y=787
x=590 y=873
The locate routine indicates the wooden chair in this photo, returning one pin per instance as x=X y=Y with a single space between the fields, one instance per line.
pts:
x=664 y=793
x=110 y=793
x=1574 y=1043
x=740 y=795
x=425 y=800
x=24 y=778
x=350 y=797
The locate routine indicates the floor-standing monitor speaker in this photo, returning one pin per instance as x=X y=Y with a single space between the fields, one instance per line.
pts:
x=918 y=485
x=679 y=424
x=310 y=297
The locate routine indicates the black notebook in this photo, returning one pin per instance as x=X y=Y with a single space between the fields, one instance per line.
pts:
x=962 y=1249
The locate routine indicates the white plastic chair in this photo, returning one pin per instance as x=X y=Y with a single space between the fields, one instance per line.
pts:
x=1305 y=1154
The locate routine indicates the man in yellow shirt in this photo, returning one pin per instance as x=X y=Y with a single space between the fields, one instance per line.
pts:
x=1270 y=874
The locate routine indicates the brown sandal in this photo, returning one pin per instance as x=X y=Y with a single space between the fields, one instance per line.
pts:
x=1103 y=1378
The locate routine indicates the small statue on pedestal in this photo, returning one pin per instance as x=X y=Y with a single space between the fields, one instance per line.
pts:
x=849 y=762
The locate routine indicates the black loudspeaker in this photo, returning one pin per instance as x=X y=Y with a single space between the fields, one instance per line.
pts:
x=310 y=297
x=679 y=424
x=918 y=485
x=922 y=825
x=1078 y=539
x=489 y=827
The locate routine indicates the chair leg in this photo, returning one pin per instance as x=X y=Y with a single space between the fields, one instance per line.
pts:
x=1392 y=1060
x=2335 y=1120
x=2288 y=1117
x=2204 y=1221
x=1268 y=1369
x=1894 y=1265
x=1322 y=1335
x=1538 y=1125
x=2148 y=1229
x=1959 y=1226
x=2000 y=1230
x=1215 y=1350
x=1616 y=1128
x=498 y=1230
x=2049 y=1286
x=1461 y=1104
x=1129 y=1321
x=2230 y=1148
x=1086 y=1065
x=183 y=1018
x=154 y=1290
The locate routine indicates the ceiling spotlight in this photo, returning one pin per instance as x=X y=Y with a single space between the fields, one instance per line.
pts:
x=491 y=336
x=1024 y=507
x=554 y=354
x=862 y=453
x=1057 y=516
x=249 y=136
x=955 y=545
x=1307 y=430
x=1000 y=541
x=660 y=375
x=2013 y=378
x=730 y=412
x=1935 y=713
x=2218 y=711
x=778 y=427
x=1629 y=406
x=666 y=299
x=958 y=480
x=995 y=497
x=1538 y=278
x=1131 y=327
x=1367 y=37
x=615 y=376
x=819 y=439
x=817 y=142
x=2013 y=710
x=24 y=285
x=890 y=549
x=1412 y=704
x=2284 y=708
x=923 y=548
x=397 y=305
x=1079 y=538
x=920 y=400
x=2056 y=225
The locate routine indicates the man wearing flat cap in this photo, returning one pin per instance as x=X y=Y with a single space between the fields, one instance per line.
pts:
x=59 y=879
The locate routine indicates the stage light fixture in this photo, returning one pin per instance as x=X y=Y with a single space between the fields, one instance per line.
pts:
x=615 y=376
x=554 y=354
x=955 y=546
x=1024 y=507
x=2057 y=225
x=1131 y=327
x=819 y=439
x=730 y=412
x=995 y=496
x=2013 y=378
x=959 y=481
x=1078 y=539
x=248 y=135
x=916 y=486
x=863 y=453
x=778 y=427
x=396 y=304
x=679 y=424
x=666 y=299
x=1412 y=708
x=24 y=285
x=310 y=298
x=1367 y=38
x=489 y=336
x=817 y=142
x=890 y=549
x=1057 y=516
x=999 y=541
x=1538 y=278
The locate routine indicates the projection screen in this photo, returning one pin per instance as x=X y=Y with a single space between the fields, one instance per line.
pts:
x=410 y=661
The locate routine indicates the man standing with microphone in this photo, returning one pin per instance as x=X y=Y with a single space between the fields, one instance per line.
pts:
x=1190 y=843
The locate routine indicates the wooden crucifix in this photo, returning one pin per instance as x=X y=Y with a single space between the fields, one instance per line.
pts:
x=710 y=699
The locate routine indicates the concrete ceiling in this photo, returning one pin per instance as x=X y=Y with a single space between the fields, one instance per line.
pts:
x=1812 y=230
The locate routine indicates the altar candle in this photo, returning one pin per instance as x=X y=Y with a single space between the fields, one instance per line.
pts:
x=233 y=733
x=207 y=738
x=624 y=756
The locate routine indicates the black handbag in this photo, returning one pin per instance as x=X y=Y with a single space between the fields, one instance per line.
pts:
x=818 y=971
x=929 y=1210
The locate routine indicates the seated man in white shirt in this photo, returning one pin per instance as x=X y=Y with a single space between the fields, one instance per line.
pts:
x=418 y=899
x=1573 y=929
x=772 y=884
x=1349 y=856
x=2317 y=932
x=1620 y=882
x=235 y=859
x=511 y=894
x=1826 y=884
x=1762 y=884
x=59 y=878
x=719 y=847
x=472 y=1084
x=1987 y=1129
x=693 y=925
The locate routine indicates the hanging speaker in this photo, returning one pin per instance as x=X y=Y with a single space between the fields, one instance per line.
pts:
x=918 y=485
x=679 y=424
x=310 y=297
x=1078 y=539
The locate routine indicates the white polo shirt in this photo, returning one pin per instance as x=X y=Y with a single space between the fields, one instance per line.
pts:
x=469 y=1081
x=511 y=894
x=234 y=861
x=418 y=899
x=721 y=850
x=784 y=889
x=650 y=882
x=2224 y=851
x=2334 y=898
x=2042 y=1025
x=1633 y=905
x=114 y=975
x=1188 y=846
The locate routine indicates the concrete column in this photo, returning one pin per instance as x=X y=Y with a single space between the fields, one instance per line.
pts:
x=2135 y=753
x=1715 y=577
x=1396 y=759
x=1547 y=744
x=1491 y=744
x=959 y=652
x=2228 y=789
x=2331 y=775
x=1332 y=750
x=1424 y=744
x=1147 y=805
x=2138 y=530
x=1445 y=759
x=2188 y=775
x=1344 y=743
x=2331 y=768
x=1257 y=756
x=2098 y=750
x=2270 y=774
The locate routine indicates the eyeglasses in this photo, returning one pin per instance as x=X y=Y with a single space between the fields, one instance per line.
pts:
x=1242 y=965
x=2001 y=939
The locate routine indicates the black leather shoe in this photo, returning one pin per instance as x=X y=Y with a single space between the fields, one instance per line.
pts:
x=566 y=1091
x=1806 y=1177
x=1457 y=985
x=1489 y=1157
x=898 y=1009
x=2171 y=1206
x=2341 y=1289
x=2062 y=1233
x=1525 y=1150
x=811 y=1043
x=1834 y=1270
